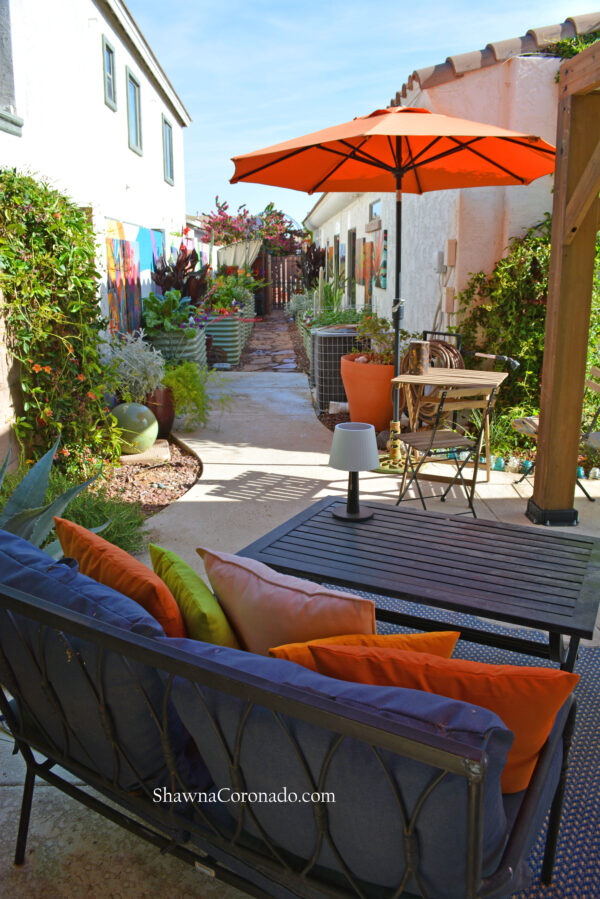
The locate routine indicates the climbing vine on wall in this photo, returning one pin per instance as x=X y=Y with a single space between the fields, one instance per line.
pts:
x=51 y=312
x=505 y=313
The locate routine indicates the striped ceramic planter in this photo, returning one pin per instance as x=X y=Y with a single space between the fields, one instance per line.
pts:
x=305 y=335
x=248 y=310
x=176 y=347
x=227 y=335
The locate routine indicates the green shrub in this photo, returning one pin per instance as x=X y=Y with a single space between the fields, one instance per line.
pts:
x=504 y=313
x=123 y=521
x=189 y=383
x=54 y=329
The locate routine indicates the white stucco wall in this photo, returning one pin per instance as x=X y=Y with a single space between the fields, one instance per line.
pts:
x=70 y=136
x=521 y=94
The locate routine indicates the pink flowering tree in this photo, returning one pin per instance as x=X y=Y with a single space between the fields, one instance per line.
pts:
x=278 y=232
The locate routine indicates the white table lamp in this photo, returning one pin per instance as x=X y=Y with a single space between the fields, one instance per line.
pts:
x=354 y=449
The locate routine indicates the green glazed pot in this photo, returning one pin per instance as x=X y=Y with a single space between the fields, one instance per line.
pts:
x=139 y=426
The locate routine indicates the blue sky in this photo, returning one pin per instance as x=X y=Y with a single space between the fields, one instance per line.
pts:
x=255 y=72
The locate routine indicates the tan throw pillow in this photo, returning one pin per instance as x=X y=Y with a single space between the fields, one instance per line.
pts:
x=267 y=609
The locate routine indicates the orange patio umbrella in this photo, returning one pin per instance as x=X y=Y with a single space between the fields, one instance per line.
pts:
x=402 y=149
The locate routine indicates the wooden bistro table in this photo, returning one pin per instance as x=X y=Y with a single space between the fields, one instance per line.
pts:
x=439 y=378
x=502 y=572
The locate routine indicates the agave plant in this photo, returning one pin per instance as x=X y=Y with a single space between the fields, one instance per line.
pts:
x=25 y=513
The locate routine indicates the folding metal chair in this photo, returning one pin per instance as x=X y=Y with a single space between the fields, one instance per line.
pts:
x=444 y=444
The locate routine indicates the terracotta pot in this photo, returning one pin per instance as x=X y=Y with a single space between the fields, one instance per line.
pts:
x=368 y=390
x=162 y=403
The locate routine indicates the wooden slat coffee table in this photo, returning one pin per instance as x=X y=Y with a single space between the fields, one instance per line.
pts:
x=503 y=572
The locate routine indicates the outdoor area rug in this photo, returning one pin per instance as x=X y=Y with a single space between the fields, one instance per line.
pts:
x=577 y=866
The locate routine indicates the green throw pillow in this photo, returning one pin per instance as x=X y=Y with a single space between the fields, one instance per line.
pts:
x=204 y=618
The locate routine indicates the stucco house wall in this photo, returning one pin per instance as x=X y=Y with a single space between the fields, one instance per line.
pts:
x=520 y=94
x=55 y=123
x=71 y=136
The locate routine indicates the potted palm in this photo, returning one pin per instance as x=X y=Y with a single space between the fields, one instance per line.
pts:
x=367 y=376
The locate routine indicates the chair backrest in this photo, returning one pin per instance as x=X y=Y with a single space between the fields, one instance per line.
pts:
x=445 y=400
x=445 y=336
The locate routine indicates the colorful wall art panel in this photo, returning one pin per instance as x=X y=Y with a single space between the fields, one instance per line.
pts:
x=343 y=261
x=131 y=254
x=330 y=268
x=380 y=260
x=368 y=270
x=359 y=274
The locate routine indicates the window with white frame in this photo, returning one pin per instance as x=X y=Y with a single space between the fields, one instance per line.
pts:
x=167 y=138
x=108 y=62
x=9 y=120
x=134 y=113
x=374 y=210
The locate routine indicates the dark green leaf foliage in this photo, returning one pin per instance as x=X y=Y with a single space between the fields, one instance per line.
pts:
x=165 y=313
x=119 y=521
x=504 y=313
x=51 y=310
x=23 y=513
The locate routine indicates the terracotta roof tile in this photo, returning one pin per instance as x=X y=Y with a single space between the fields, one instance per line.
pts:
x=496 y=52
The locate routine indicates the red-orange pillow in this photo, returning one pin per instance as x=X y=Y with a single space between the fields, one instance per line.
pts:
x=526 y=699
x=113 y=567
x=439 y=643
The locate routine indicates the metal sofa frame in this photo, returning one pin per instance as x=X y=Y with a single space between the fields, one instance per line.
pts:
x=171 y=831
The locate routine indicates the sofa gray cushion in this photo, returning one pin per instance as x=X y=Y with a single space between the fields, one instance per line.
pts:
x=365 y=823
x=83 y=702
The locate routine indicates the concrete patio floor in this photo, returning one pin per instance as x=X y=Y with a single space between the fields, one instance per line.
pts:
x=264 y=460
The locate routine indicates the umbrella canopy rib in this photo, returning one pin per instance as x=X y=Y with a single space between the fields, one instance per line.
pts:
x=418 y=160
x=345 y=158
x=267 y=165
x=491 y=161
x=393 y=151
x=415 y=169
x=367 y=158
x=529 y=145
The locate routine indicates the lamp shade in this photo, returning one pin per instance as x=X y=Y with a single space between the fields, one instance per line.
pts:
x=354 y=447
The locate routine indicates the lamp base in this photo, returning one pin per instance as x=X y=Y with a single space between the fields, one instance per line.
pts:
x=344 y=515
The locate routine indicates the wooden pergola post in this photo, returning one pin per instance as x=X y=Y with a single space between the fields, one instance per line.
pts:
x=574 y=228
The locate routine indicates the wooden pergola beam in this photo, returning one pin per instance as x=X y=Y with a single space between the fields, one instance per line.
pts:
x=575 y=218
x=581 y=73
x=584 y=195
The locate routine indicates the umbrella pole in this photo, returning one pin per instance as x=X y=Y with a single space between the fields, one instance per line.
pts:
x=397 y=314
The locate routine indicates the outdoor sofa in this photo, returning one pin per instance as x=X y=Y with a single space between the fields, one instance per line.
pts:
x=92 y=685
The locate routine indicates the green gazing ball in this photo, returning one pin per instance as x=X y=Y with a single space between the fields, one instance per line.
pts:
x=139 y=426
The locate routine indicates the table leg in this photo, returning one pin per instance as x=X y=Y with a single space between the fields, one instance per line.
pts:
x=486 y=440
x=558 y=652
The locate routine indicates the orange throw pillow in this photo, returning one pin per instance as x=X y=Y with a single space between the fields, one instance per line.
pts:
x=526 y=699
x=113 y=567
x=438 y=643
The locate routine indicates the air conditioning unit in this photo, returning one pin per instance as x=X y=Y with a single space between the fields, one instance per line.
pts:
x=329 y=344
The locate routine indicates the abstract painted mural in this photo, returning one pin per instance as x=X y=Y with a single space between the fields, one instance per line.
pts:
x=359 y=274
x=368 y=271
x=380 y=260
x=343 y=261
x=330 y=268
x=131 y=254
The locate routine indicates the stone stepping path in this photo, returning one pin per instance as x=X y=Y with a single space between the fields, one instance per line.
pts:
x=269 y=347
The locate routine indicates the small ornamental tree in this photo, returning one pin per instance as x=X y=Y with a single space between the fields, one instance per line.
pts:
x=54 y=328
x=278 y=232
